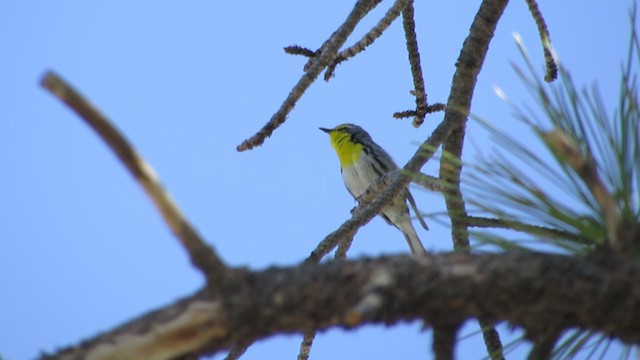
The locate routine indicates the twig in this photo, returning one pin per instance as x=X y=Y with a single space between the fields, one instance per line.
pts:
x=343 y=248
x=320 y=62
x=369 y=38
x=567 y=150
x=309 y=336
x=202 y=255
x=305 y=346
x=419 y=92
x=483 y=222
x=409 y=25
x=428 y=182
x=299 y=50
x=491 y=339
x=426 y=110
x=552 y=68
x=338 y=57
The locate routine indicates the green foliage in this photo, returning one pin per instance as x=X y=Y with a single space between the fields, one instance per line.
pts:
x=534 y=186
x=539 y=194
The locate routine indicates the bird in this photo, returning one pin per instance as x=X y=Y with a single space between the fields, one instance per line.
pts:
x=362 y=162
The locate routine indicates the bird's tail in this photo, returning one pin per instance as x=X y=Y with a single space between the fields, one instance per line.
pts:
x=412 y=238
x=397 y=214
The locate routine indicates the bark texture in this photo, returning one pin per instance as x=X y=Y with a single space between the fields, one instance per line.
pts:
x=542 y=293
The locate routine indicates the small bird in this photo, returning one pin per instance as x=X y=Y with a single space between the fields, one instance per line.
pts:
x=362 y=162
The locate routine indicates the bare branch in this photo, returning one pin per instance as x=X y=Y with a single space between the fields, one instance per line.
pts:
x=343 y=247
x=305 y=346
x=536 y=292
x=369 y=38
x=428 y=182
x=567 y=150
x=203 y=257
x=491 y=339
x=552 y=68
x=422 y=105
x=409 y=25
x=327 y=54
x=309 y=336
x=426 y=110
x=299 y=50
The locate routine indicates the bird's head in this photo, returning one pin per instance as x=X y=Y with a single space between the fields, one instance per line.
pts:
x=347 y=140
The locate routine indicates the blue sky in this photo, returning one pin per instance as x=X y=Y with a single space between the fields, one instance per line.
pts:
x=83 y=249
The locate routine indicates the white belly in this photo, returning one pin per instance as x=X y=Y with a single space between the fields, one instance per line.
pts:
x=353 y=181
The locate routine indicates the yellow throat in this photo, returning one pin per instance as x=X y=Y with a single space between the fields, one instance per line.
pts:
x=348 y=151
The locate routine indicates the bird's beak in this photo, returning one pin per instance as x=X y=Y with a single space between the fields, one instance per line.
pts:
x=325 y=130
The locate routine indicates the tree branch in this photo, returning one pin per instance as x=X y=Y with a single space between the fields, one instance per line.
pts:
x=552 y=69
x=422 y=106
x=428 y=182
x=369 y=38
x=491 y=339
x=306 y=344
x=535 y=291
x=309 y=336
x=327 y=55
x=203 y=257
x=484 y=25
x=483 y=222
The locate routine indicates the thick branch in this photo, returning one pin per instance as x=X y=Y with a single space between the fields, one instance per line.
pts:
x=202 y=255
x=543 y=293
x=469 y=64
